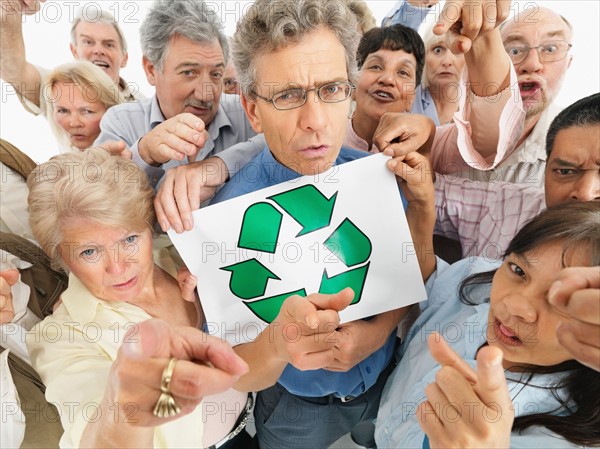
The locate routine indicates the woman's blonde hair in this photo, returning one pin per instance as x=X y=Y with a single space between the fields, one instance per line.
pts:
x=90 y=185
x=95 y=85
x=364 y=15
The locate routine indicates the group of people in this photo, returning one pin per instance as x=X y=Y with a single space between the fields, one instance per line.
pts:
x=503 y=352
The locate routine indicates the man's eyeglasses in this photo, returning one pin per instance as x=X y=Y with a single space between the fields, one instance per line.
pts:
x=296 y=97
x=548 y=52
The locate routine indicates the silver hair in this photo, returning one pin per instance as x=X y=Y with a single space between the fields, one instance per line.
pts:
x=105 y=18
x=270 y=25
x=192 y=19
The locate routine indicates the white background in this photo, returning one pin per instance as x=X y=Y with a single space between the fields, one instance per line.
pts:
x=47 y=44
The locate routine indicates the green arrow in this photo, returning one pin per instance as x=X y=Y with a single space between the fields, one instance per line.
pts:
x=308 y=206
x=268 y=308
x=355 y=279
x=260 y=228
x=249 y=278
x=349 y=244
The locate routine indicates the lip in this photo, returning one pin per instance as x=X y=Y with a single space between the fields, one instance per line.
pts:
x=126 y=285
x=529 y=88
x=103 y=67
x=195 y=110
x=383 y=99
x=505 y=335
x=315 y=151
x=78 y=137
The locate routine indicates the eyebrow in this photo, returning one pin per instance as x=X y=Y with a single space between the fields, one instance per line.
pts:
x=520 y=38
x=193 y=65
x=522 y=259
x=405 y=60
x=564 y=162
x=87 y=36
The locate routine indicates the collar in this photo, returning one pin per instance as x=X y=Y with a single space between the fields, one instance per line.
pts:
x=83 y=306
x=156 y=115
x=274 y=169
x=221 y=120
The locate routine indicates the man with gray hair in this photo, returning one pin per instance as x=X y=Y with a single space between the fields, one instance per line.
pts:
x=297 y=68
x=97 y=39
x=188 y=119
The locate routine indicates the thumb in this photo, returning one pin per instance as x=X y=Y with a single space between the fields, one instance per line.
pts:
x=337 y=301
x=491 y=381
x=11 y=276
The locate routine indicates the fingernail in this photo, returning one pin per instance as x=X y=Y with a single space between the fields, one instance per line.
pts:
x=165 y=226
x=177 y=228
x=187 y=224
x=554 y=288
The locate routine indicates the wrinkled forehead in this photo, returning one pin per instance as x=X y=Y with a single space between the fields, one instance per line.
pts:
x=97 y=30
x=534 y=25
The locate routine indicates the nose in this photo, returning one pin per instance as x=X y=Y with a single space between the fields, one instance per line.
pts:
x=115 y=261
x=205 y=89
x=386 y=78
x=313 y=116
x=98 y=48
x=531 y=63
x=75 y=121
x=587 y=187
x=447 y=59
x=519 y=305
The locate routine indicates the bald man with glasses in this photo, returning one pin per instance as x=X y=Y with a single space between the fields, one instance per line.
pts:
x=537 y=41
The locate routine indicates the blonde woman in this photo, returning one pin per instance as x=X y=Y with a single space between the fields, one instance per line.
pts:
x=92 y=214
x=77 y=95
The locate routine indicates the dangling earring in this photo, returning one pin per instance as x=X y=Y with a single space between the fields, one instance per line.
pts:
x=352 y=109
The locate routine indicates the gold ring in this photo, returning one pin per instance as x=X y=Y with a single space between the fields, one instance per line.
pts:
x=165 y=406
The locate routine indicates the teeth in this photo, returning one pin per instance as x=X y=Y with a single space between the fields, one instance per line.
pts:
x=101 y=64
x=383 y=94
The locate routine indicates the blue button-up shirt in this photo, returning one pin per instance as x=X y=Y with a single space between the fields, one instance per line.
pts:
x=264 y=171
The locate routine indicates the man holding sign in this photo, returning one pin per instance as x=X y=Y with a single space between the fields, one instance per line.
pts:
x=297 y=67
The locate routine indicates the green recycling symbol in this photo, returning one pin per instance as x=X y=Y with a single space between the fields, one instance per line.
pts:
x=260 y=231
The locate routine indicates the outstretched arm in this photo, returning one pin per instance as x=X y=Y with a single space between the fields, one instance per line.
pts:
x=14 y=67
x=205 y=366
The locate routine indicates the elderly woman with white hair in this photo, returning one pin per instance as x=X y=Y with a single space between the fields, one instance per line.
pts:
x=441 y=88
x=92 y=214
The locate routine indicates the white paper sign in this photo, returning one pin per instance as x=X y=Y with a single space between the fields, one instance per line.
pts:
x=344 y=227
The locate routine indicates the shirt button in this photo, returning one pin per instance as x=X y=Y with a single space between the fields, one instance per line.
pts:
x=387 y=430
x=368 y=370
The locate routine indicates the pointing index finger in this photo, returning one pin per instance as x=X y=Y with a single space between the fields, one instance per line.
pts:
x=444 y=355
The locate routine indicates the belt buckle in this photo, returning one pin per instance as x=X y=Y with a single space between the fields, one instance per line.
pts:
x=241 y=423
x=347 y=398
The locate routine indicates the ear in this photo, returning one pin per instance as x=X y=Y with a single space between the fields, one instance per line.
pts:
x=73 y=51
x=352 y=109
x=149 y=70
x=252 y=113
x=125 y=59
